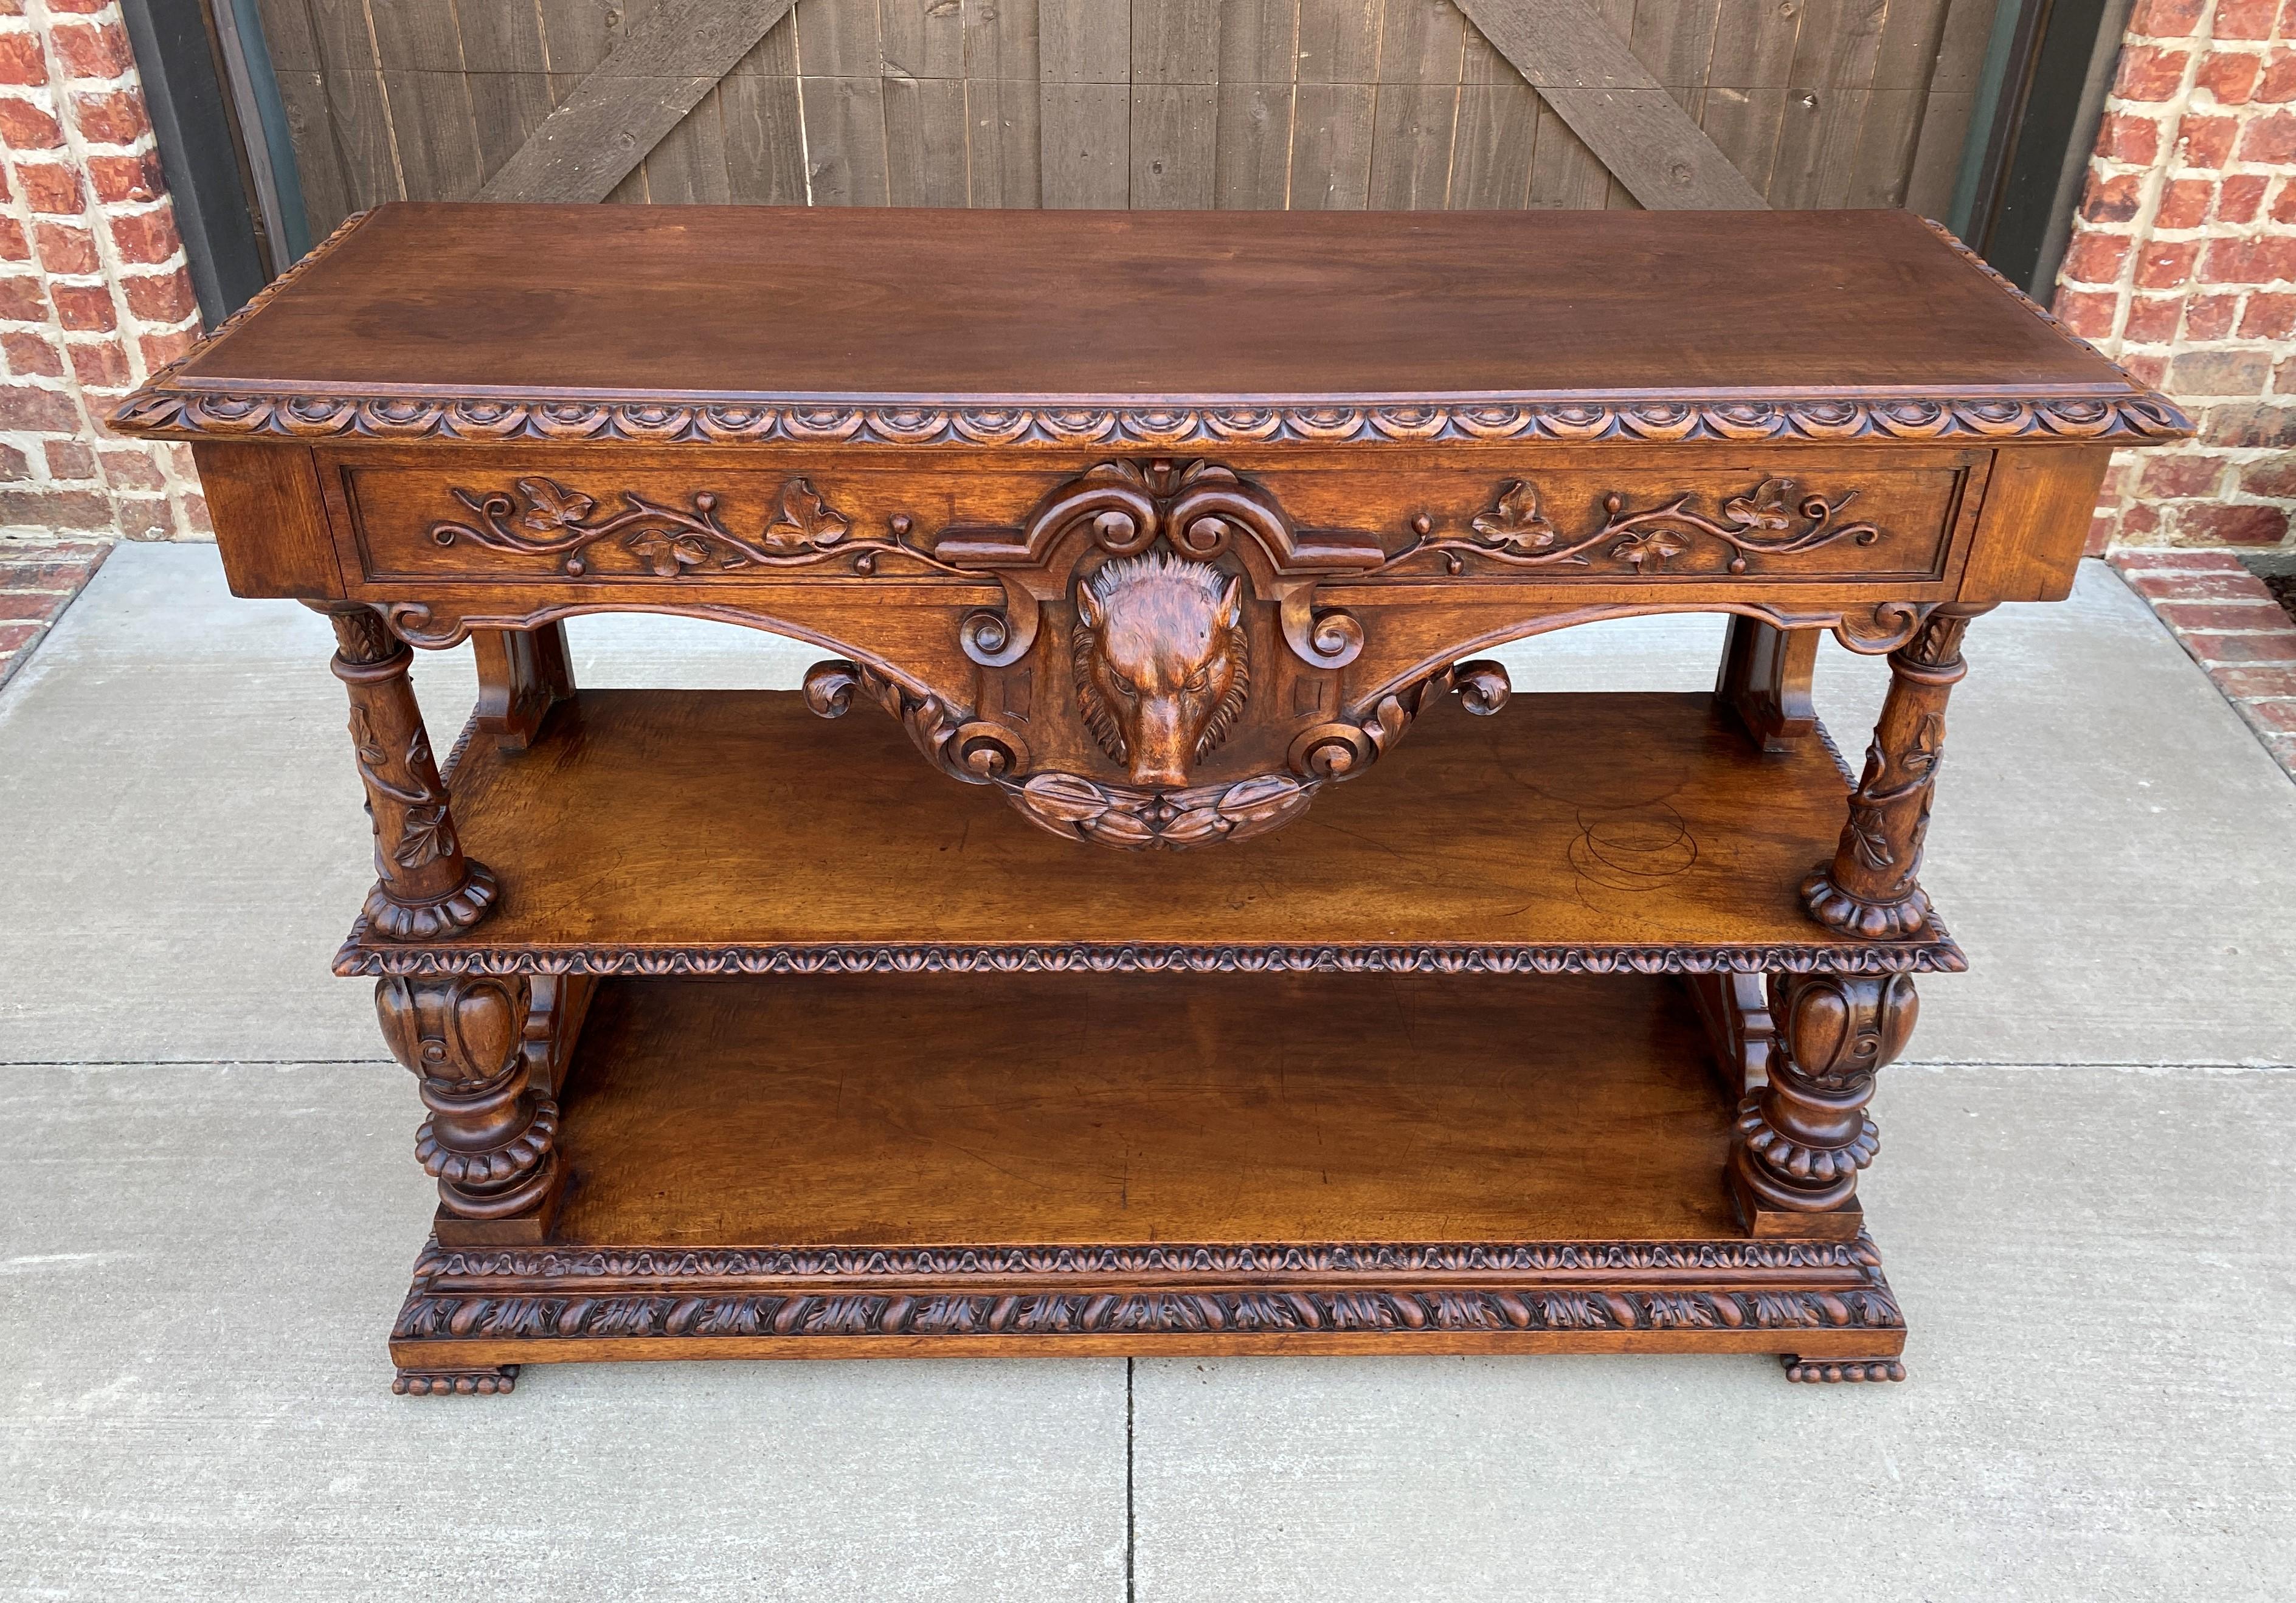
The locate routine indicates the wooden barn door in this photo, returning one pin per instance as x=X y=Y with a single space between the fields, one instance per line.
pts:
x=1146 y=103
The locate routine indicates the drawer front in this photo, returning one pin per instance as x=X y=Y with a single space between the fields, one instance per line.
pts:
x=1667 y=518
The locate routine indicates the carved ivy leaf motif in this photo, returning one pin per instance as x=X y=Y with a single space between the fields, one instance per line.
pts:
x=806 y=521
x=428 y=836
x=667 y=554
x=551 y=506
x=1868 y=833
x=1514 y=522
x=418 y=756
x=1765 y=507
x=362 y=741
x=1649 y=546
x=1922 y=756
x=1387 y=723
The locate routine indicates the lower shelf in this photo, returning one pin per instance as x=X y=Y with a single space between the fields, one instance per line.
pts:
x=1209 y=1164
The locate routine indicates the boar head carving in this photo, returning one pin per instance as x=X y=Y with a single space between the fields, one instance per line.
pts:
x=1162 y=662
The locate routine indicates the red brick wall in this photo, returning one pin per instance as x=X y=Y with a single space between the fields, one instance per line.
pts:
x=93 y=291
x=2182 y=267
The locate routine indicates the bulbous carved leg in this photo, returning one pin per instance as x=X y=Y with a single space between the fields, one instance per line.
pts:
x=1871 y=888
x=490 y=1140
x=425 y=887
x=1803 y=1137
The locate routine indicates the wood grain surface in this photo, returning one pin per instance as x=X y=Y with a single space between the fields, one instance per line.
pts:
x=787 y=303
x=723 y=822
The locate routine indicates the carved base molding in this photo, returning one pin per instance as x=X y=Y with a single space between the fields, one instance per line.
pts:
x=362 y=955
x=1838 y=1369
x=1825 y=1305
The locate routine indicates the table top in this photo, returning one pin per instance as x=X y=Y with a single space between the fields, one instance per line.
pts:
x=1576 y=312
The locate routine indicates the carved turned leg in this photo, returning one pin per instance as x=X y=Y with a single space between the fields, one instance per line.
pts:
x=1871 y=888
x=425 y=886
x=1766 y=681
x=1803 y=1136
x=522 y=675
x=490 y=1141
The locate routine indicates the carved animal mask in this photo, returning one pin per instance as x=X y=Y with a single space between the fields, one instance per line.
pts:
x=1162 y=662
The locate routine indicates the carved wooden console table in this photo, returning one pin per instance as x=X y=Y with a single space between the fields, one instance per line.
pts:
x=1230 y=987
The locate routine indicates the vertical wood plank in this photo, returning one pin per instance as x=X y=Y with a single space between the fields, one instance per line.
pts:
x=577 y=34
x=1564 y=174
x=435 y=133
x=1959 y=55
x=1252 y=147
x=1176 y=41
x=1084 y=51
x=840 y=63
x=1675 y=39
x=1083 y=144
x=1754 y=44
x=1174 y=146
x=1744 y=125
x=689 y=168
x=319 y=165
x=1498 y=132
x=844 y=139
x=1253 y=140
x=922 y=39
x=1339 y=41
x=1004 y=144
x=925 y=135
x=358 y=113
x=764 y=136
x=1331 y=146
x=1422 y=54
x=416 y=35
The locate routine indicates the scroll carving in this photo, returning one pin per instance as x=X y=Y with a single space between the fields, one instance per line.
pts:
x=540 y=517
x=1514 y=532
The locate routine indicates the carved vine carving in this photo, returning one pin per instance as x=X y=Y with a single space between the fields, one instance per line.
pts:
x=1515 y=533
x=540 y=517
x=1872 y=887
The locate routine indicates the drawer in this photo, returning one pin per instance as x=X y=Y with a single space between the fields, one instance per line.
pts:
x=1706 y=516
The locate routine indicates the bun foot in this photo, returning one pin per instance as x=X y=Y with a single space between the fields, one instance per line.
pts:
x=1837 y=1370
x=462 y=1382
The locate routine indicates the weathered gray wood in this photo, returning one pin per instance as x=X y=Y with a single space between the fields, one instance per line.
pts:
x=845 y=162
x=1497 y=133
x=925 y=139
x=415 y=36
x=1084 y=52
x=1754 y=44
x=1675 y=40
x=922 y=39
x=688 y=167
x=1084 y=144
x=1174 y=145
x=1584 y=70
x=1331 y=146
x=1338 y=42
x=765 y=139
x=1422 y=54
x=1744 y=125
x=1252 y=147
x=663 y=67
x=435 y=133
x=1564 y=174
x=1176 y=41
x=1003 y=145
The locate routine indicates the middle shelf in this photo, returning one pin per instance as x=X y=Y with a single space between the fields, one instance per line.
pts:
x=732 y=831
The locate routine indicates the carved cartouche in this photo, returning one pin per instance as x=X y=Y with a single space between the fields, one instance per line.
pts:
x=1162 y=662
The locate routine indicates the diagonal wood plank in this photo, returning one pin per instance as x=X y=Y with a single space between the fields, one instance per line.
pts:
x=671 y=58
x=1582 y=68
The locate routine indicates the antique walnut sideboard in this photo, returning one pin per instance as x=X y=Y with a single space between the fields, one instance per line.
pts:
x=1183 y=942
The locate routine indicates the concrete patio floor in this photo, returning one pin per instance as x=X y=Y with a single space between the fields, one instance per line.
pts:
x=207 y=1211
